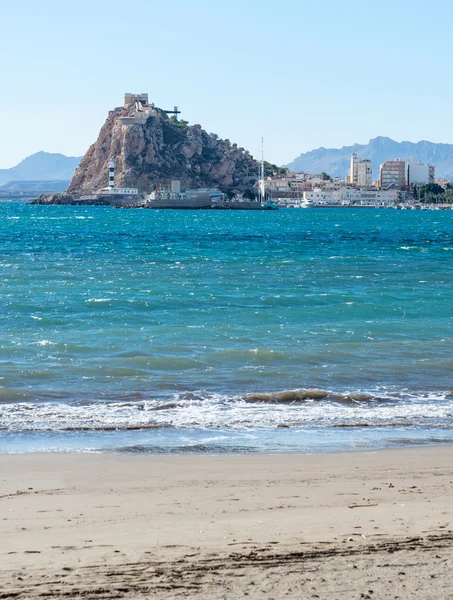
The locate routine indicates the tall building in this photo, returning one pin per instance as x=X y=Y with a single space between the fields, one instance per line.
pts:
x=364 y=173
x=418 y=173
x=360 y=172
x=392 y=175
x=352 y=174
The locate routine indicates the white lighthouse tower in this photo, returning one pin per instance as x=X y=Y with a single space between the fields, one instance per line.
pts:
x=111 y=190
x=112 y=173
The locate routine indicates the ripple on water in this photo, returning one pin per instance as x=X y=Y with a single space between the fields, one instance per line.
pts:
x=221 y=320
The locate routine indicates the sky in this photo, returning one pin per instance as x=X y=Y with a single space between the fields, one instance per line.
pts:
x=302 y=74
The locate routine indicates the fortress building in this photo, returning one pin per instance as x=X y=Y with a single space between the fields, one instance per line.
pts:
x=140 y=109
x=143 y=110
x=131 y=99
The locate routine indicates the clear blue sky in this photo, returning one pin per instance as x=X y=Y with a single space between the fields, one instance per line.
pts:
x=303 y=74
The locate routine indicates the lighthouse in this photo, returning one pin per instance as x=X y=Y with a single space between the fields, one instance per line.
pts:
x=111 y=190
x=111 y=174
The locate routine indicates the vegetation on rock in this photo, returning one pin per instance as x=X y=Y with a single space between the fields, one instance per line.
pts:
x=163 y=149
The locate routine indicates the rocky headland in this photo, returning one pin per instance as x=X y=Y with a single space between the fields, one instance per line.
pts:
x=150 y=148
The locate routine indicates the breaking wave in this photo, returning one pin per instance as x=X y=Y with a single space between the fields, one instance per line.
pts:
x=301 y=408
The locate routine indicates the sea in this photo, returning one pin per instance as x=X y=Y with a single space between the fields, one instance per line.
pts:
x=153 y=331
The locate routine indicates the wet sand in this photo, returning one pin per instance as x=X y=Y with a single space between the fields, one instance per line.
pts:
x=331 y=526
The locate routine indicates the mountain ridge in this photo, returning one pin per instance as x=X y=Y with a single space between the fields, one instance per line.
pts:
x=41 y=166
x=335 y=161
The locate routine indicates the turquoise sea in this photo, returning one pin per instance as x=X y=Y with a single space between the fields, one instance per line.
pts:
x=144 y=331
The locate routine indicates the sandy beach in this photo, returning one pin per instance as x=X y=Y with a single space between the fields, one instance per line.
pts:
x=333 y=526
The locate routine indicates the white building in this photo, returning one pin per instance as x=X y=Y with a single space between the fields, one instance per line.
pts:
x=320 y=197
x=417 y=173
x=360 y=172
x=118 y=191
x=350 y=197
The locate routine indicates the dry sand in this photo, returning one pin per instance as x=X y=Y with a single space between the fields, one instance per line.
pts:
x=334 y=526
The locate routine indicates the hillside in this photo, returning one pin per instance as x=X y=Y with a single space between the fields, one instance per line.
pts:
x=42 y=166
x=335 y=161
x=150 y=148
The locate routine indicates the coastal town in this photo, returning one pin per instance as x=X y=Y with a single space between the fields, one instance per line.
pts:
x=406 y=184
x=226 y=329
x=146 y=157
x=402 y=184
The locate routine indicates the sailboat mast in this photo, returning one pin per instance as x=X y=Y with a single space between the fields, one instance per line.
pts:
x=262 y=158
x=261 y=184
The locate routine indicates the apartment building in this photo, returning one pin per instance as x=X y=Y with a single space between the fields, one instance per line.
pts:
x=392 y=175
x=419 y=173
x=360 y=171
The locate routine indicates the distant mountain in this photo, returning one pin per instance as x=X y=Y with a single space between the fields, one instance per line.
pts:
x=16 y=191
x=335 y=161
x=41 y=166
x=41 y=187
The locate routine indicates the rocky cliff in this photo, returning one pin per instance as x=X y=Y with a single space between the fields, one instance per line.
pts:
x=158 y=150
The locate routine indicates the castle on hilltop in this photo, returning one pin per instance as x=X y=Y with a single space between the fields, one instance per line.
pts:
x=140 y=109
x=130 y=99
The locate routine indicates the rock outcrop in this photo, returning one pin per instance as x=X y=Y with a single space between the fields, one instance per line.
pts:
x=160 y=149
x=76 y=199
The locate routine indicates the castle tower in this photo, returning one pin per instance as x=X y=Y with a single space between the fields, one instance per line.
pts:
x=111 y=173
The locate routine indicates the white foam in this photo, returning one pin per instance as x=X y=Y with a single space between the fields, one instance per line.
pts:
x=207 y=410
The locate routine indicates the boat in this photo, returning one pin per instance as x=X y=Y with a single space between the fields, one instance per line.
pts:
x=269 y=205
x=187 y=199
x=233 y=204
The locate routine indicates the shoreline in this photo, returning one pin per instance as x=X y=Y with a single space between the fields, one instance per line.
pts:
x=227 y=454
x=283 y=439
x=174 y=526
